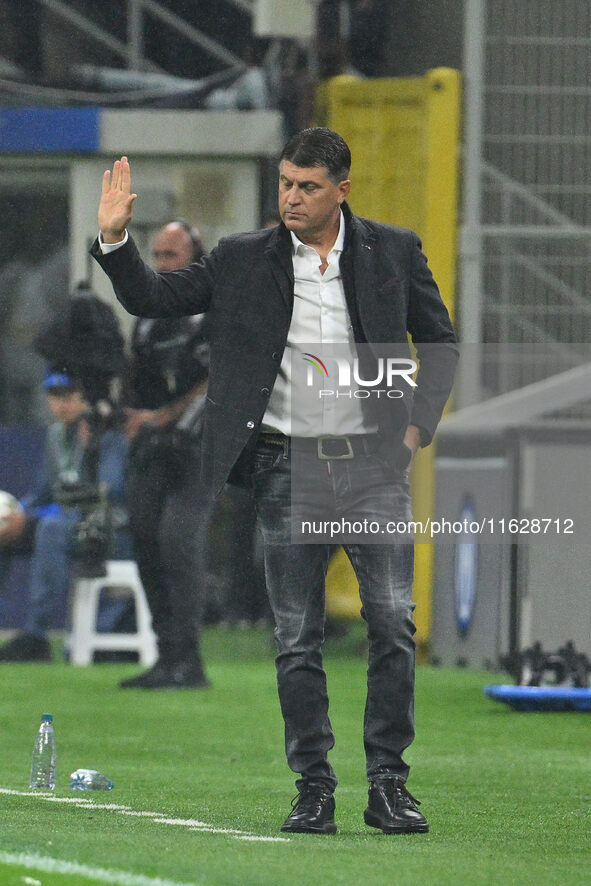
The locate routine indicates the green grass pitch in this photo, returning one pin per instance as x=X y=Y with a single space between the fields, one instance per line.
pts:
x=507 y=794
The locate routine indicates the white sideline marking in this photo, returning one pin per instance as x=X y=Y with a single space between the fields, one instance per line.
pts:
x=141 y=814
x=88 y=804
x=243 y=835
x=253 y=837
x=191 y=824
x=210 y=830
x=44 y=795
x=103 y=875
x=77 y=801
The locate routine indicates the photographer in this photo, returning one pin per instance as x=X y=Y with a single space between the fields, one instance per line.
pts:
x=76 y=458
x=169 y=508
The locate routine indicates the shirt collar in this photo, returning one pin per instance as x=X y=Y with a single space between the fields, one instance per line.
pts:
x=338 y=243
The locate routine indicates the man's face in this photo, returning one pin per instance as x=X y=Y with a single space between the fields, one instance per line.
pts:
x=309 y=201
x=172 y=248
x=66 y=405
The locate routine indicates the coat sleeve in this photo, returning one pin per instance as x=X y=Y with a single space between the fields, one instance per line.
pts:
x=145 y=293
x=433 y=336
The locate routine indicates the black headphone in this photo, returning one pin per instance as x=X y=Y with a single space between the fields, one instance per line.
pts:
x=194 y=234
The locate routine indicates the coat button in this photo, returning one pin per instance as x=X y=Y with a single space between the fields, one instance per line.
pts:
x=265 y=392
x=250 y=425
x=275 y=355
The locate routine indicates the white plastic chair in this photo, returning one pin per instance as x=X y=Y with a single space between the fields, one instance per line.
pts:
x=84 y=637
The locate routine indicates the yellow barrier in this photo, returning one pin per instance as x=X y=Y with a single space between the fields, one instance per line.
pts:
x=404 y=139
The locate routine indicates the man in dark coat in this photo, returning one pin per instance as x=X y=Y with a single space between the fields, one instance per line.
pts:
x=276 y=298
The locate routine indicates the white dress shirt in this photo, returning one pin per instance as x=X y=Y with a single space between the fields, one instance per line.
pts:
x=111 y=247
x=320 y=318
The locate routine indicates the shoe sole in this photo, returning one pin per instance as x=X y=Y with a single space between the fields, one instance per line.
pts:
x=374 y=822
x=329 y=828
x=35 y=659
x=125 y=685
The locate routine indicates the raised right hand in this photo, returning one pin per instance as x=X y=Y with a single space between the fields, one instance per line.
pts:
x=114 y=212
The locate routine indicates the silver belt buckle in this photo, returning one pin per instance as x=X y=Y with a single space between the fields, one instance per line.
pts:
x=348 y=454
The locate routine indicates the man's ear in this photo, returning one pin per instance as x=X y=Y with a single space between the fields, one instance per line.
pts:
x=344 y=188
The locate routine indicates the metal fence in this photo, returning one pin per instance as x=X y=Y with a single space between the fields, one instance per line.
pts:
x=529 y=61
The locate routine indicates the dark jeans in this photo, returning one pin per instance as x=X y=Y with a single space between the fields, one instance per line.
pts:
x=296 y=584
x=169 y=516
x=47 y=541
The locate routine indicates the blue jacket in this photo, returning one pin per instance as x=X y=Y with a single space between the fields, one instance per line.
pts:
x=65 y=461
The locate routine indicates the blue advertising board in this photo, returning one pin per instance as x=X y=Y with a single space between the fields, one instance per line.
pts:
x=47 y=130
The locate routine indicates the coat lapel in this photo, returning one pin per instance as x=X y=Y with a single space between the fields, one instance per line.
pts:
x=278 y=254
x=358 y=270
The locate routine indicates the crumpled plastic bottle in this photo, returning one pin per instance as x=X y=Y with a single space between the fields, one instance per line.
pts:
x=90 y=780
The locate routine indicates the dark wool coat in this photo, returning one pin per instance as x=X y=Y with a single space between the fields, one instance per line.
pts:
x=246 y=286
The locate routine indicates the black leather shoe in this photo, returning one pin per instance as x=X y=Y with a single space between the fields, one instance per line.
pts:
x=313 y=811
x=393 y=809
x=187 y=675
x=26 y=647
x=183 y=675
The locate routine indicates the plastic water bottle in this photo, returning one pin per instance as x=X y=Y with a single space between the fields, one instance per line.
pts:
x=44 y=756
x=90 y=780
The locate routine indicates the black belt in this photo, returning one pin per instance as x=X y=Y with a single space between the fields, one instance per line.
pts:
x=326 y=447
